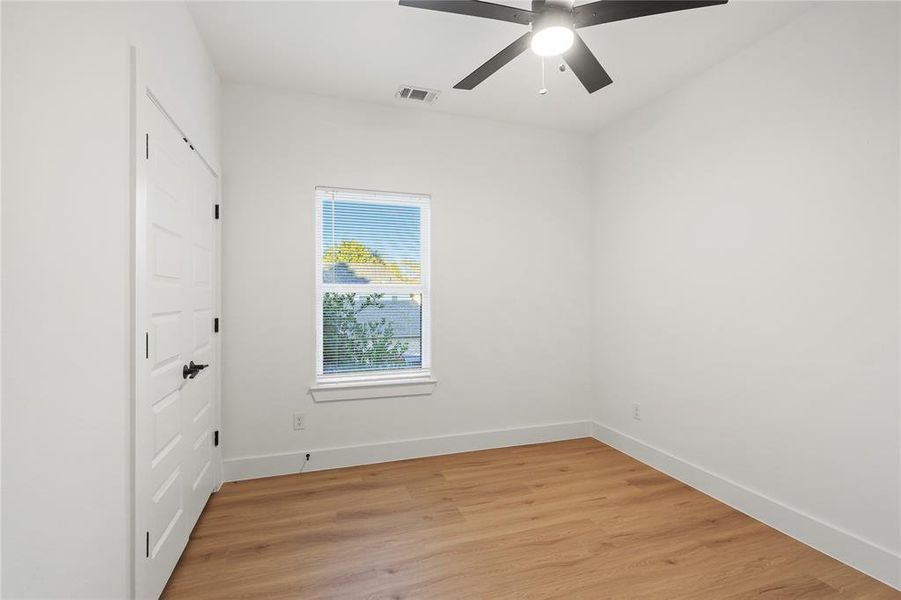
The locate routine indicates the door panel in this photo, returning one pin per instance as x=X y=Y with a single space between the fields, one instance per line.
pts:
x=166 y=328
x=203 y=328
x=168 y=253
x=174 y=416
x=166 y=423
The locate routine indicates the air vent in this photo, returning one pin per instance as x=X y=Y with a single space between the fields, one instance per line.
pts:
x=414 y=94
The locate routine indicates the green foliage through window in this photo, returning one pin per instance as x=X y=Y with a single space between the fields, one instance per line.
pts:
x=351 y=251
x=359 y=256
x=350 y=343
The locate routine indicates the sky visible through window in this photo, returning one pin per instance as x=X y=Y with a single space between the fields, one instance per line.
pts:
x=389 y=230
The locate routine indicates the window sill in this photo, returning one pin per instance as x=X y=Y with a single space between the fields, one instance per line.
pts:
x=368 y=389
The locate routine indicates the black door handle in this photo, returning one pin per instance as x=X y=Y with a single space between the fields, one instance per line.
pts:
x=191 y=371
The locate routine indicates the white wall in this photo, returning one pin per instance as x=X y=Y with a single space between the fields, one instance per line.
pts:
x=746 y=270
x=66 y=293
x=509 y=267
x=1 y=307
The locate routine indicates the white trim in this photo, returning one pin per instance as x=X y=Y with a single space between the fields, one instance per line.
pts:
x=137 y=488
x=181 y=132
x=425 y=279
x=252 y=467
x=375 y=196
x=372 y=389
x=317 y=301
x=375 y=377
x=217 y=335
x=898 y=331
x=874 y=560
x=137 y=245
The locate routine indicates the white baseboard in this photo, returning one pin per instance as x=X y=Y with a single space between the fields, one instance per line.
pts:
x=253 y=467
x=872 y=559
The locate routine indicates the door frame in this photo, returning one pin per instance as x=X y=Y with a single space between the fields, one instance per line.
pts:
x=144 y=97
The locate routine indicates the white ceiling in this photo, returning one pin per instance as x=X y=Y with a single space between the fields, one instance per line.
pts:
x=364 y=50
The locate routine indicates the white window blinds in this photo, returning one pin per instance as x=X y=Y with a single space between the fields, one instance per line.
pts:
x=372 y=283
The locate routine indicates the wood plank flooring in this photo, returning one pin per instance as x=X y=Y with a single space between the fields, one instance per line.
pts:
x=574 y=519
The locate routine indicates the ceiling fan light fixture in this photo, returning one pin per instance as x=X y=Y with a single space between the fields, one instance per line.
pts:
x=553 y=24
x=552 y=41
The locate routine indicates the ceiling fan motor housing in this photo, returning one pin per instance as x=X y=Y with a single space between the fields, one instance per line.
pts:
x=540 y=5
x=553 y=16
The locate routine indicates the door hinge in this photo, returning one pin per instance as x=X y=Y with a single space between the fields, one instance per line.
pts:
x=216 y=438
x=147 y=545
x=216 y=325
x=147 y=146
x=146 y=344
x=216 y=212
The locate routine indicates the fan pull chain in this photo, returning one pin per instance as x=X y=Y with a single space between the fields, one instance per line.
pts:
x=543 y=89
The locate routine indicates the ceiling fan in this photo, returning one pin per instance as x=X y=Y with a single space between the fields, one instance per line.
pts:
x=552 y=32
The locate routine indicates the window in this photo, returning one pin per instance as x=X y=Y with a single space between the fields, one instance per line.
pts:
x=372 y=286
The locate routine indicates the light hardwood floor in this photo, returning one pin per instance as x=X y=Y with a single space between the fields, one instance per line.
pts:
x=574 y=519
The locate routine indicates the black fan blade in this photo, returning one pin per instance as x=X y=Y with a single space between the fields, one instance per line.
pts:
x=607 y=11
x=495 y=63
x=586 y=66
x=475 y=8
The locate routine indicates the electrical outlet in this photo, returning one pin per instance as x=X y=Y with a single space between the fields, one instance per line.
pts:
x=300 y=421
x=636 y=411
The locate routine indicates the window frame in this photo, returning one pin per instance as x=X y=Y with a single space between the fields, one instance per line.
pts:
x=389 y=376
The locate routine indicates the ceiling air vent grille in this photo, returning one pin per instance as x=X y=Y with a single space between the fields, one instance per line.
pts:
x=415 y=94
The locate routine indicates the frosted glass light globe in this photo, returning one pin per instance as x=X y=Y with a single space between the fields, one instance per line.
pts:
x=552 y=41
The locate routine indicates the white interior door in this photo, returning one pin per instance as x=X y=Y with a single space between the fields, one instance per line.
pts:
x=175 y=301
